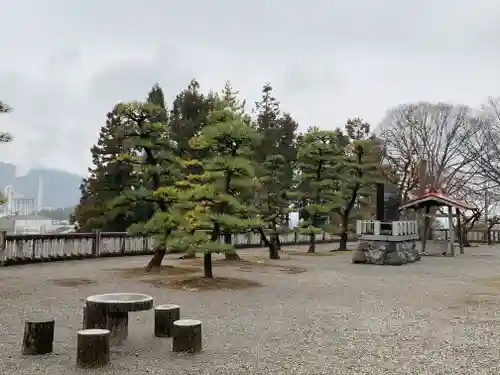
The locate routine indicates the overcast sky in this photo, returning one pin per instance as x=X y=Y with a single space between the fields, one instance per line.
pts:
x=64 y=63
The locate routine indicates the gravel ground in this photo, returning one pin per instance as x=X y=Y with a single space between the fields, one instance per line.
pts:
x=438 y=316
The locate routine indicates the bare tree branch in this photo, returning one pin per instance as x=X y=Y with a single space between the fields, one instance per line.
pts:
x=436 y=132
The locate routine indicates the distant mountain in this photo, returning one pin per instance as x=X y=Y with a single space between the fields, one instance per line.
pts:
x=60 y=189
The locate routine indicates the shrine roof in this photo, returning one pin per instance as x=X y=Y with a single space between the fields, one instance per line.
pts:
x=437 y=199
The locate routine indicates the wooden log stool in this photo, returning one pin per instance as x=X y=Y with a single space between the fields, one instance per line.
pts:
x=38 y=335
x=93 y=318
x=92 y=348
x=187 y=336
x=165 y=316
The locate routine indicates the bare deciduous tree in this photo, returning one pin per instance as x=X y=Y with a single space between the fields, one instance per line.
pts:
x=485 y=143
x=436 y=132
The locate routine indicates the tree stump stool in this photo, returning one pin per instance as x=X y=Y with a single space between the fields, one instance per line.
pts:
x=93 y=318
x=92 y=348
x=165 y=316
x=187 y=336
x=38 y=335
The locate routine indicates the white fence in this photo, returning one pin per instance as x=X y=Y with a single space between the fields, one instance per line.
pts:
x=394 y=228
x=33 y=248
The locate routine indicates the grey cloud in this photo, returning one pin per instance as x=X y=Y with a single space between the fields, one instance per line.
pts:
x=327 y=60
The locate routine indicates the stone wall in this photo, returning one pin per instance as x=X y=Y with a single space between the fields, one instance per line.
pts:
x=386 y=252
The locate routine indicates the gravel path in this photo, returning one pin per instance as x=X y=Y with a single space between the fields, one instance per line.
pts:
x=438 y=316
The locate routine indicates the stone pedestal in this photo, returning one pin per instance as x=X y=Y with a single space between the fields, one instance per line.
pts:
x=187 y=336
x=392 y=253
x=38 y=335
x=165 y=316
x=92 y=348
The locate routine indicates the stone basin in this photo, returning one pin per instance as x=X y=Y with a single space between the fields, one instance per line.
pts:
x=120 y=302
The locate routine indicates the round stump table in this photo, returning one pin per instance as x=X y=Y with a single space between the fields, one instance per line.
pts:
x=110 y=311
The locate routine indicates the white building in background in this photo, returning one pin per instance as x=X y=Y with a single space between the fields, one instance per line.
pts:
x=17 y=204
x=27 y=224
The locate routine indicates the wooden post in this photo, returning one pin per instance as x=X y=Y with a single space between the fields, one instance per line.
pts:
x=426 y=228
x=460 y=238
x=422 y=175
x=38 y=335
x=165 y=316
x=92 y=348
x=452 y=231
x=187 y=336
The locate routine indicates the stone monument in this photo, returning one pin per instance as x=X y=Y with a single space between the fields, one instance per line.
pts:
x=387 y=245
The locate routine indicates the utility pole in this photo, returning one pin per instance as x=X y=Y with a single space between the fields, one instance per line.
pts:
x=486 y=209
x=486 y=202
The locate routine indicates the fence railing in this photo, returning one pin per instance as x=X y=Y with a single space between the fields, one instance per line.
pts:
x=475 y=235
x=18 y=249
x=394 y=228
x=405 y=228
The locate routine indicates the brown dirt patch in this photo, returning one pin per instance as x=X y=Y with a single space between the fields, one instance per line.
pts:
x=163 y=271
x=263 y=266
x=319 y=253
x=197 y=283
x=72 y=282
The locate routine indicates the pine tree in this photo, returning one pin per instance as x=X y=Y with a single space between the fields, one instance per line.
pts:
x=156 y=97
x=229 y=99
x=5 y=137
x=107 y=179
x=278 y=133
x=318 y=160
x=187 y=117
x=4 y=108
x=152 y=153
x=359 y=172
x=228 y=178
x=268 y=116
x=287 y=145
x=272 y=201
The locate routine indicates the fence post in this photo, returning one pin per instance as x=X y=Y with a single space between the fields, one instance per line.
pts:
x=122 y=245
x=33 y=249
x=3 y=247
x=96 y=243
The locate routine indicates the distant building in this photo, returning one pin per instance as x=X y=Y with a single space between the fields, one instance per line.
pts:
x=26 y=224
x=17 y=204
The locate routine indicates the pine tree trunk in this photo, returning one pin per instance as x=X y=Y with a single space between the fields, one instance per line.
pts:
x=155 y=262
x=275 y=237
x=231 y=254
x=312 y=243
x=190 y=253
x=207 y=266
x=271 y=245
x=343 y=234
x=278 y=243
x=343 y=241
